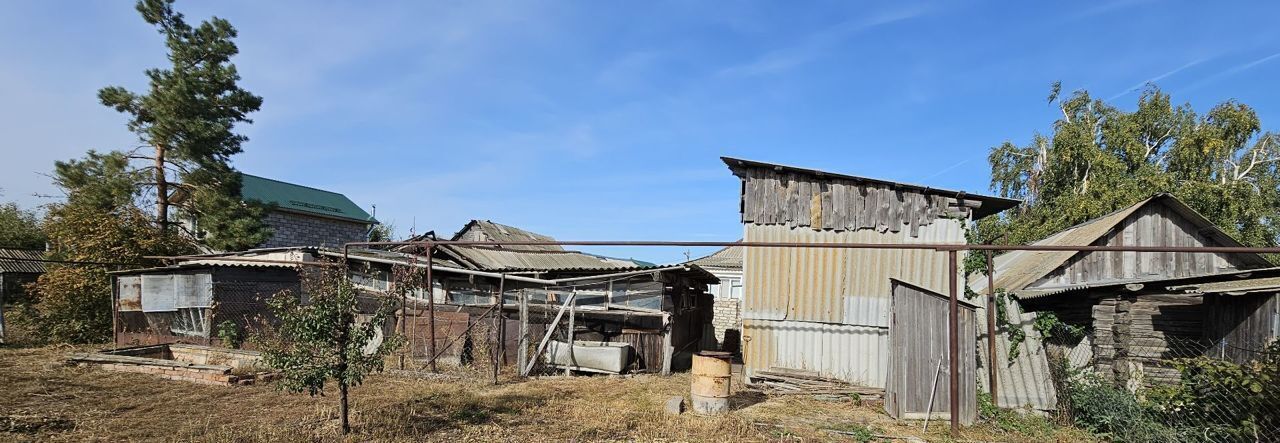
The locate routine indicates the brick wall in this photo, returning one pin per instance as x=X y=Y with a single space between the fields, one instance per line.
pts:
x=293 y=229
x=726 y=316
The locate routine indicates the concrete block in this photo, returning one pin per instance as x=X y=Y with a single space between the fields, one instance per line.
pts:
x=674 y=405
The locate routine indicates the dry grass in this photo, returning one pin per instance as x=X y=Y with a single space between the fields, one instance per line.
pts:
x=42 y=400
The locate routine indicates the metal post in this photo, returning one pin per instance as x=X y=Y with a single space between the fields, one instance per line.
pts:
x=668 y=351
x=115 y=313
x=992 y=365
x=404 y=310
x=431 y=308
x=573 y=305
x=953 y=341
x=522 y=352
x=500 y=327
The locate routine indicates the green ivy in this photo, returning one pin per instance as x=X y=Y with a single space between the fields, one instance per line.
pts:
x=1015 y=332
x=1050 y=328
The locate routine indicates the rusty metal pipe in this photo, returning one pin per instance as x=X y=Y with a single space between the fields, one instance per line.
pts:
x=903 y=246
x=499 y=330
x=953 y=339
x=431 y=307
x=991 y=330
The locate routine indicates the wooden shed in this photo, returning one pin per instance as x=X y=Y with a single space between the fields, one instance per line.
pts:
x=918 y=383
x=1135 y=324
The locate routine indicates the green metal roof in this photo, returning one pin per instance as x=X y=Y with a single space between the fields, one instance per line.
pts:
x=298 y=198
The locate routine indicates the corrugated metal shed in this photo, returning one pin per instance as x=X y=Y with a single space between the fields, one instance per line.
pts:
x=856 y=354
x=835 y=285
x=21 y=261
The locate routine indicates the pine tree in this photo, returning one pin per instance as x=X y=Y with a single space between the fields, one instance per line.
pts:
x=187 y=120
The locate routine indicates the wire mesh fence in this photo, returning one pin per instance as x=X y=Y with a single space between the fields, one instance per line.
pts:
x=191 y=308
x=1158 y=387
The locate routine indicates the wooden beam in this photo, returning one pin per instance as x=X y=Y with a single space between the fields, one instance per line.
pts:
x=551 y=328
x=668 y=352
x=522 y=353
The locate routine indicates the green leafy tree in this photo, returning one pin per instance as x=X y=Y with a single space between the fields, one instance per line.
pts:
x=73 y=301
x=320 y=339
x=187 y=120
x=1100 y=158
x=382 y=232
x=98 y=228
x=19 y=228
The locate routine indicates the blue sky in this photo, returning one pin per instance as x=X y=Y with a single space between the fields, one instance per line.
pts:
x=605 y=120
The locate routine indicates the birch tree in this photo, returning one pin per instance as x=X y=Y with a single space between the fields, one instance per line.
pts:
x=1100 y=158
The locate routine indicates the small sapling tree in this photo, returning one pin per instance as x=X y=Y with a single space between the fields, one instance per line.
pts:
x=317 y=337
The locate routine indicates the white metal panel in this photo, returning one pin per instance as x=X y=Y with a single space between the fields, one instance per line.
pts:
x=129 y=291
x=158 y=294
x=857 y=354
x=193 y=290
x=863 y=310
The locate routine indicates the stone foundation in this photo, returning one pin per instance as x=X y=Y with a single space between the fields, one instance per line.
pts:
x=190 y=363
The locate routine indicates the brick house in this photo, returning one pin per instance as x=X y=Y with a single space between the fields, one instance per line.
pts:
x=726 y=264
x=305 y=216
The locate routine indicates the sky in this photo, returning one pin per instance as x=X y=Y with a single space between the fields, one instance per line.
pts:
x=605 y=120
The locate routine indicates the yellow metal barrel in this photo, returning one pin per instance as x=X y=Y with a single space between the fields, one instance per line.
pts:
x=710 y=382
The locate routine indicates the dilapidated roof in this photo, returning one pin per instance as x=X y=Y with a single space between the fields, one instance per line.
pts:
x=1016 y=270
x=21 y=261
x=495 y=259
x=990 y=205
x=485 y=230
x=1234 y=287
x=727 y=258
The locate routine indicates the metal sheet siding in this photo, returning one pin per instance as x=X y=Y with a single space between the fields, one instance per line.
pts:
x=819 y=347
x=817 y=284
x=1023 y=381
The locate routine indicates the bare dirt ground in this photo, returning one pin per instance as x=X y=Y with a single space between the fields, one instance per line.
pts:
x=43 y=400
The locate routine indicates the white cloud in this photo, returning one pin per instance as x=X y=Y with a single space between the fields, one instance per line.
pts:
x=817 y=44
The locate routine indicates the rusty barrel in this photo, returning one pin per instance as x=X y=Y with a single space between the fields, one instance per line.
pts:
x=710 y=384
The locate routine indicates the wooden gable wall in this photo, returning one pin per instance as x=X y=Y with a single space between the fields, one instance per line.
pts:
x=1153 y=225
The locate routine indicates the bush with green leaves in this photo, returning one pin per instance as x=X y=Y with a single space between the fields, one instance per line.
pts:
x=320 y=339
x=1221 y=400
x=1114 y=413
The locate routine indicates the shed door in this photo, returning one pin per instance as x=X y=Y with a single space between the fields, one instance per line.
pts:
x=919 y=369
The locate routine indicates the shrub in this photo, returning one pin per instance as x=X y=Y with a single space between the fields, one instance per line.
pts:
x=229 y=333
x=1009 y=421
x=1220 y=400
x=1113 y=413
